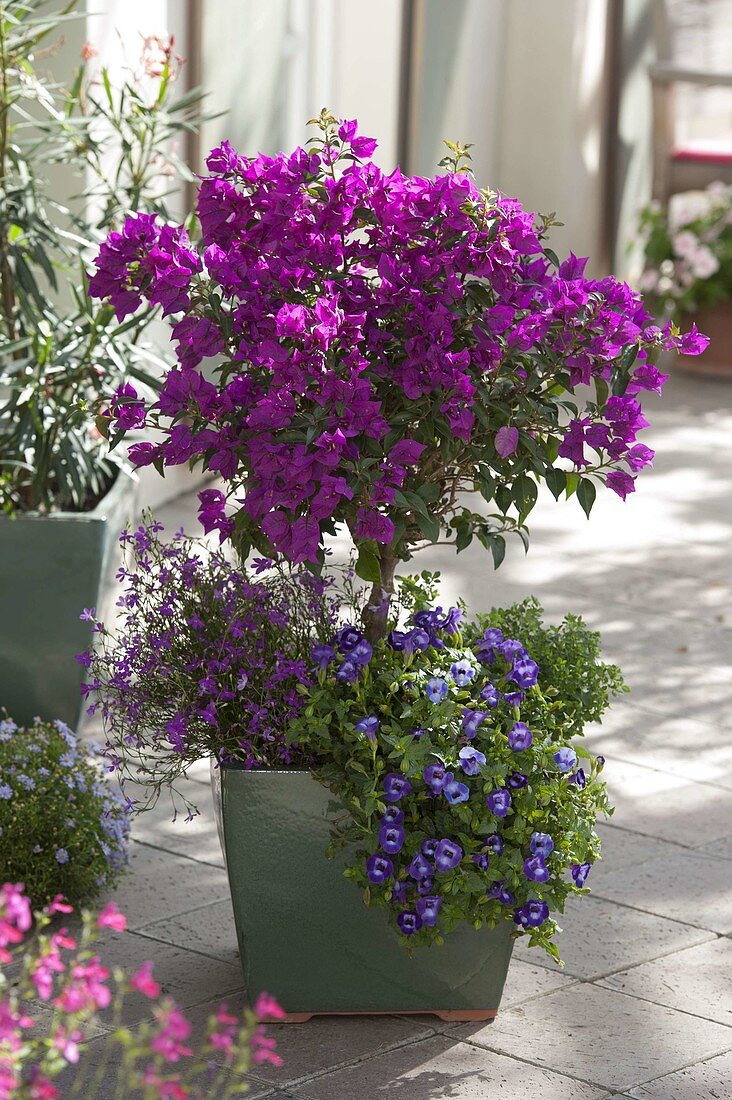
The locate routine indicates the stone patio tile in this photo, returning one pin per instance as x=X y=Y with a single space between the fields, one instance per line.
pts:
x=599 y=1035
x=666 y=806
x=600 y=937
x=526 y=981
x=438 y=1068
x=622 y=849
x=697 y=980
x=708 y=1080
x=160 y=884
x=188 y=977
x=683 y=746
x=654 y=886
x=721 y=847
x=208 y=929
x=330 y=1042
x=197 y=839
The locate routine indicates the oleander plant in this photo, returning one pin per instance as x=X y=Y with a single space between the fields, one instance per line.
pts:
x=56 y=992
x=64 y=827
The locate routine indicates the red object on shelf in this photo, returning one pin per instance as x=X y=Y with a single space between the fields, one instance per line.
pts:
x=704 y=154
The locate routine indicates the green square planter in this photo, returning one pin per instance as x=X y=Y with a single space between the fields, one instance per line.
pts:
x=53 y=566
x=304 y=935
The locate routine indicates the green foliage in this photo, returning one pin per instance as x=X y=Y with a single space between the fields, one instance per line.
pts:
x=60 y=354
x=63 y=828
x=573 y=689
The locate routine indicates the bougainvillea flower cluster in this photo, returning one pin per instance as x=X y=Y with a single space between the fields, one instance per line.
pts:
x=454 y=759
x=81 y=999
x=203 y=660
x=381 y=342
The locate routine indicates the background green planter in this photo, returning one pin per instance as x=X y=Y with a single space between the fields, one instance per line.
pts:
x=304 y=935
x=51 y=567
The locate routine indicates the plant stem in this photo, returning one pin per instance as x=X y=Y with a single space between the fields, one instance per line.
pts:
x=376 y=612
x=7 y=298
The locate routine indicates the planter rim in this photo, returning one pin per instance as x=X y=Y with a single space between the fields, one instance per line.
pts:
x=279 y=769
x=122 y=481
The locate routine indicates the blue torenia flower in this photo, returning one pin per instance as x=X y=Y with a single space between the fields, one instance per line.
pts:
x=494 y=842
x=392 y=815
x=348 y=638
x=472 y=720
x=499 y=802
x=493 y=636
x=424 y=886
x=399 y=893
x=436 y=689
x=524 y=673
x=62 y=856
x=490 y=695
x=541 y=844
x=517 y=780
x=396 y=786
x=514 y=698
x=579 y=872
x=347 y=672
x=447 y=855
x=481 y=861
x=462 y=672
x=471 y=760
x=429 y=847
x=500 y=892
x=520 y=737
x=456 y=792
x=5 y=791
x=536 y=869
x=361 y=653
x=532 y=914
x=565 y=759
x=408 y=641
x=322 y=655
x=511 y=649
x=379 y=868
x=409 y=923
x=435 y=776
x=428 y=908
x=419 y=868
x=579 y=778
x=391 y=838
x=368 y=726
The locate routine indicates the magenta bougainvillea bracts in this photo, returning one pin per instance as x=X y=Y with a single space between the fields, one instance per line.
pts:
x=379 y=344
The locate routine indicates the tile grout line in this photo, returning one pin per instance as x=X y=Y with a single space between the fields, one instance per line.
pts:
x=673 y=1008
x=662 y=916
x=183 y=913
x=180 y=855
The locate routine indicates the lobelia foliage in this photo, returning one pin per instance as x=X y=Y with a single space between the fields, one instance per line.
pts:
x=61 y=995
x=61 y=354
x=378 y=345
x=203 y=660
x=451 y=749
x=63 y=827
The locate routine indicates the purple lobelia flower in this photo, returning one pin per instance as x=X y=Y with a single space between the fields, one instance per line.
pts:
x=448 y=855
x=471 y=760
x=409 y=923
x=436 y=776
x=462 y=672
x=541 y=844
x=428 y=908
x=391 y=838
x=396 y=786
x=579 y=872
x=520 y=737
x=565 y=759
x=536 y=869
x=369 y=726
x=436 y=689
x=472 y=720
x=499 y=802
x=379 y=868
x=456 y=792
x=532 y=914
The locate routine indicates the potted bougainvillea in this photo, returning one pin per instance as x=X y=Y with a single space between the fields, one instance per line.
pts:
x=407 y=359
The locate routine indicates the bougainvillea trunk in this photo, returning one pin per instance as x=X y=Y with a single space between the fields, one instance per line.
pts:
x=376 y=612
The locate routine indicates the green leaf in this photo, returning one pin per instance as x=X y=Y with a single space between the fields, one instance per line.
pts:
x=498 y=549
x=368 y=566
x=573 y=481
x=556 y=481
x=429 y=526
x=586 y=493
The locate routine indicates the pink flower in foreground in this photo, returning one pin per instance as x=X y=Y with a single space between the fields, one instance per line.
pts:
x=67 y=1043
x=41 y=1088
x=263 y=1049
x=59 y=905
x=174 y=1028
x=167 y=1087
x=224 y=1035
x=87 y=989
x=110 y=917
x=267 y=1008
x=144 y=982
